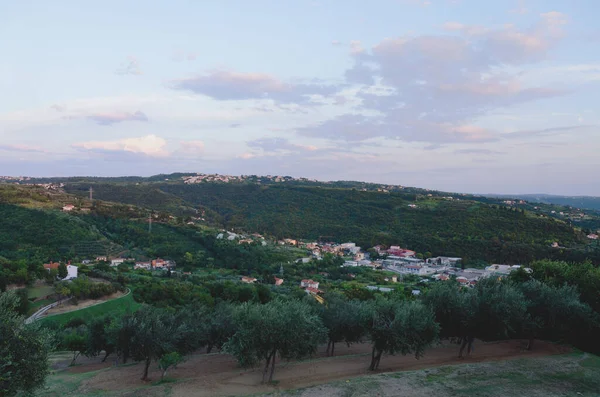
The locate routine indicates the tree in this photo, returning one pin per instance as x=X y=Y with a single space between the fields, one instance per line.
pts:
x=345 y=321
x=167 y=361
x=490 y=311
x=554 y=313
x=23 y=350
x=75 y=340
x=219 y=327
x=400 y=327
x=62 y=271
x=98 y=338
x=288 y=329
x=155 y=334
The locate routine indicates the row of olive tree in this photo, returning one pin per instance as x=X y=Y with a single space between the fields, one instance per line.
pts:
x=496 y=310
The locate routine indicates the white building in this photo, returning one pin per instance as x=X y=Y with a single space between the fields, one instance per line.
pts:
x=71 y=272
x=117 y=261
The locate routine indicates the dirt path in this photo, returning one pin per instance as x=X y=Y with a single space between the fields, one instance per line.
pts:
x=68 y=307
x=219 y=375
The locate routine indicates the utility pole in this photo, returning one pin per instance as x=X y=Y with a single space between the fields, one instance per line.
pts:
x=150 y=223
x=91 y=194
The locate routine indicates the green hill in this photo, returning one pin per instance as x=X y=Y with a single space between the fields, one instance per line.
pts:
x=475 y=228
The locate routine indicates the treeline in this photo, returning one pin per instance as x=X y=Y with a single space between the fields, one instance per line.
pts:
x=84 y=288
x=256 y=333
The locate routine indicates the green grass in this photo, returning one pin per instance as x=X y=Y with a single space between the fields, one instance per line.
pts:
x=117 y=306
x=38 y=292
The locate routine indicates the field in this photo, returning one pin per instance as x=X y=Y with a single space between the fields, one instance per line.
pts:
x=119 y=306
x=495 y=369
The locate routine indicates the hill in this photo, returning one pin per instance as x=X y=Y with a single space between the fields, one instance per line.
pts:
x=584 y=202
x=476 y=228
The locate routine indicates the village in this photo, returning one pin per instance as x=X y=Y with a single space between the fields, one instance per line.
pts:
x=397 y=261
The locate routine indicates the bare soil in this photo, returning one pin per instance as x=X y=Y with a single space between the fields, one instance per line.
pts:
x=219 y=374
x=69 y=307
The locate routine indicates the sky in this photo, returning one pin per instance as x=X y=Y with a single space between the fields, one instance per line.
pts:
x=457 y=95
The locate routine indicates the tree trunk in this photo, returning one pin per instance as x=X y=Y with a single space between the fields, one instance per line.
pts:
x=378 y=358
x=272 y=367
x=470 y=345
x=530 y=344
x=164 y=373
x=332 y=348
x=208 y=349
x=105 y=356
x=75 y=355
x=373 y=360
x=328 y=347
x=146 y=366
x=266 y=367
x=462 y=347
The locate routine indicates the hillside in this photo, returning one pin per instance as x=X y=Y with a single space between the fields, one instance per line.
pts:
x=476 y=228
x=585 y=202
x=473 y=227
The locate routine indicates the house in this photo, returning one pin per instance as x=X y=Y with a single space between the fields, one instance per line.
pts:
x=143 y=265
x=71 y=272
x=68 y=207
x=249 y=280
x=307 y=283
x=311 y=290
x=359 y=256
x=592 y=236
x=51 y=266
x=159 y=263
x=101 y=259
x=86 y=262
x=278 y=281
x=117 y=261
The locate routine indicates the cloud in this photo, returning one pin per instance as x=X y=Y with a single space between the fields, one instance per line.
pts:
x=486 y=152
x=435 y=88
x=226 y=85
x=116 y=117
x=149 y=145
x=58 y=108
x=180 y=56
x=21 y=148
x=547 y=131
x=191 y=147
x=234 y=125
x=130 y=67
x=520 y=9
x=336 y=43
x=270 y=145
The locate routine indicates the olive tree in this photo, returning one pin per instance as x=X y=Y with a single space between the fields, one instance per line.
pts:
x=346 y=321
x=288 y=329
x=24 y=350
x=400 y=327
x=554 y=313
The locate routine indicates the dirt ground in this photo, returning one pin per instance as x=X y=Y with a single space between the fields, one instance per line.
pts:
x=68 y=307
x=219 y=375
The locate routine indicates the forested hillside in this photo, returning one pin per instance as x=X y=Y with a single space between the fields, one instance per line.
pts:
x=481 y=230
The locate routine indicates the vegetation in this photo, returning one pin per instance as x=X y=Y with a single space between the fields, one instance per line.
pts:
x=23 y=350
x=286 y=329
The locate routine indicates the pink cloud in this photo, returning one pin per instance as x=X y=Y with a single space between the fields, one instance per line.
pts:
x=149 y=145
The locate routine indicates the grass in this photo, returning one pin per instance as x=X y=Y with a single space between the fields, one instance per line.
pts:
x=38 y=292
x=118 y=306
x=563 y=375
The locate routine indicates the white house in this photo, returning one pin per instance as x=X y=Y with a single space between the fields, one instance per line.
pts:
x=117 y=261
x=71 y=272
x=309 y=284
